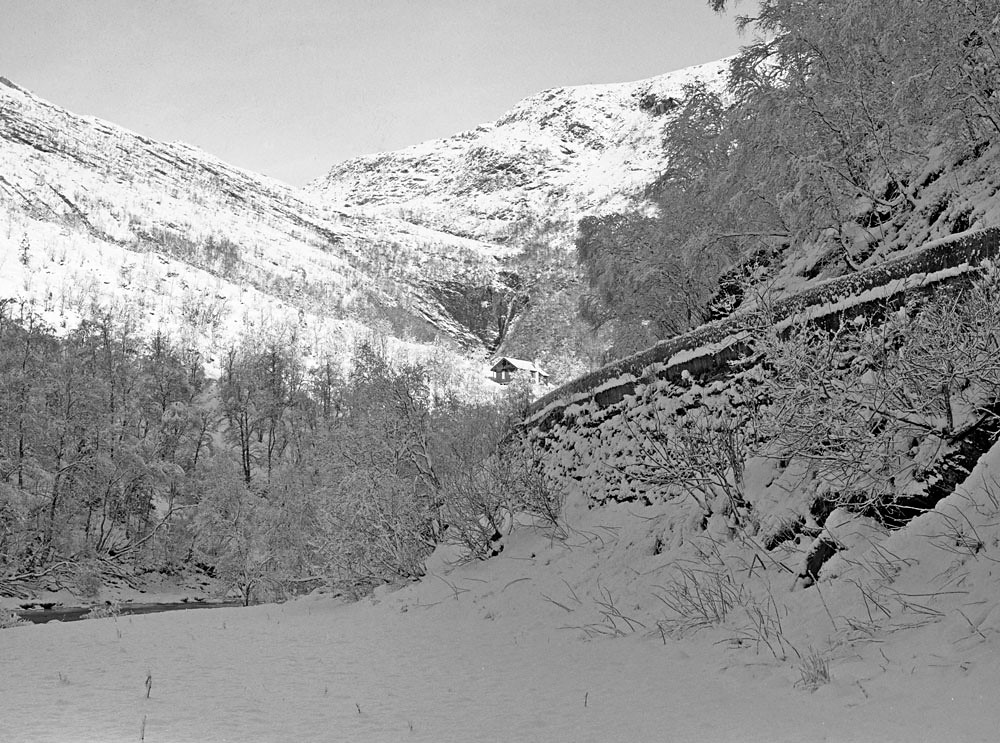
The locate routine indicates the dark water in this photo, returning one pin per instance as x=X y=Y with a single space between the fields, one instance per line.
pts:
x=72 y=613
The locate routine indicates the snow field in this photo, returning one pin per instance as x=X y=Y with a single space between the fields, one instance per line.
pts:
x=522 y=647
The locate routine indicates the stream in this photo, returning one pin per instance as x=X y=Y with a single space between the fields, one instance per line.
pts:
x=50 y=613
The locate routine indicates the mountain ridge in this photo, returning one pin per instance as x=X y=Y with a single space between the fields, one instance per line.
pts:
x=93 y=180
x=559 y=154
x=423 y=249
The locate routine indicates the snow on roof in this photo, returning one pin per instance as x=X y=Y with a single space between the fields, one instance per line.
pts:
x=528 y=366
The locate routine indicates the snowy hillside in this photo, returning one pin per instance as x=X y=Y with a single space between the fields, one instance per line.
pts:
x=412 y=243
x=95 y=215
x=555 y=156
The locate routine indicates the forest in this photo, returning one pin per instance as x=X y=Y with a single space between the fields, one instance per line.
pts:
x=118 y=457
x=848 y=132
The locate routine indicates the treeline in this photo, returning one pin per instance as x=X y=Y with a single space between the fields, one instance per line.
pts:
x=837 y=122
x=117 y=453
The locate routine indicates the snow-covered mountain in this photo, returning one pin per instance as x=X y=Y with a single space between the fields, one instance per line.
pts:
x=93 y=214
x=556 y=156
x=412 y=243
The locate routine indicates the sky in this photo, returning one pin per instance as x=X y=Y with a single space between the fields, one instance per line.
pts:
x=288 y=88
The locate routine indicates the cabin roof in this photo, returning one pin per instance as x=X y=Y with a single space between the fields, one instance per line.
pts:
x=506 y=362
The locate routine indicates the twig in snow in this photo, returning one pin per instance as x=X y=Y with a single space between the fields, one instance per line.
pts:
x=516 y=580
x=553 y=601
x=974 y=627
x=823 y=599
x=572 y=592
x=455 y=590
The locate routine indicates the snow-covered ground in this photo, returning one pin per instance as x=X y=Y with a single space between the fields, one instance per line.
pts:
x=535 y=645
x=318 y=671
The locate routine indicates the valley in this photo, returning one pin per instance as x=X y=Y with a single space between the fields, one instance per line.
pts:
x=758 y=500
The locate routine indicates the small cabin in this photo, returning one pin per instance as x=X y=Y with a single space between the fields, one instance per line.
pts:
x=506 y=370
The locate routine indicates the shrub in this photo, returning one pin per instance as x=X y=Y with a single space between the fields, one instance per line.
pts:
x=697 y=444
x=110 y=610
x=868 y=408
x=88 y=583
x=814 y=670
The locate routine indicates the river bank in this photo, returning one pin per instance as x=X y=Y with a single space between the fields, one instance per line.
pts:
x=42 y=613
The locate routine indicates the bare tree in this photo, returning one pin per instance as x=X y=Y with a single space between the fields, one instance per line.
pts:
x=866 y=409
x=696 y=443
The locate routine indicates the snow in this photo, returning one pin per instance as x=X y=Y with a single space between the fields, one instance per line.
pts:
x=709 y=349
x=517 y=648
x=554 y=158
x=111 y=218
x=303 y=672
x=566 y=635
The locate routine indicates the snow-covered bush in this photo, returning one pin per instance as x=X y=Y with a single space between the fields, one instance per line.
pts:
x=238 y=533
x=376 y=529
x=491 y=483
x=696 y=442
x=88 y=582
x=110 y=610
x=10 y=619
x=866 y=411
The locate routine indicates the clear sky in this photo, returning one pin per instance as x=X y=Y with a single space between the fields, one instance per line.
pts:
x=290 y=87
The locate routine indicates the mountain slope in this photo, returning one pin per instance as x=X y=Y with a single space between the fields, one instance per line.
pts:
x=555 y=156
x=84 y=200
x=418 y=244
